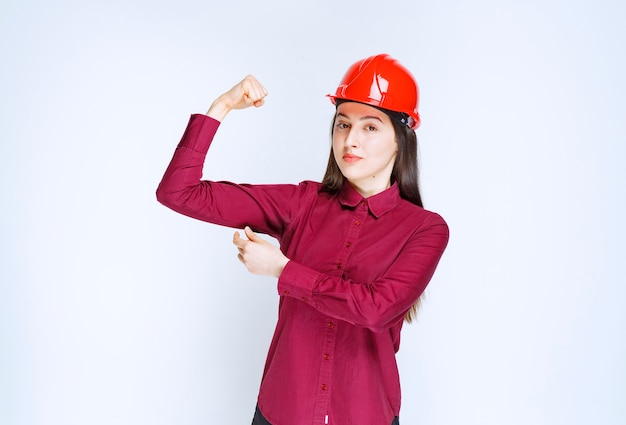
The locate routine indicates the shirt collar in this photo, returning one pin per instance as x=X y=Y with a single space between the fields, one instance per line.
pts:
x=378 y=204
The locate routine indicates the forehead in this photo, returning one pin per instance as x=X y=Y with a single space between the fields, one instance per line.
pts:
x=355 y=110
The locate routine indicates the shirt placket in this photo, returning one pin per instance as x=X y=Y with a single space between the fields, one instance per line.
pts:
x=330 y=334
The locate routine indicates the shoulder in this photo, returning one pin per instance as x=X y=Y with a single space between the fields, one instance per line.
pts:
x=311 y=188
x=421 y=218
x=310 y=185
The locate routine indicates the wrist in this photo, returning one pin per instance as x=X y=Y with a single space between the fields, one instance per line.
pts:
x=281 y=266
x=218 y=109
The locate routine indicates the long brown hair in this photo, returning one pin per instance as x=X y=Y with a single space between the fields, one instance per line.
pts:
x=405 y=173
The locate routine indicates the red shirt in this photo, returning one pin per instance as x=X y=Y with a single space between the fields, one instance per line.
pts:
x=356 y=267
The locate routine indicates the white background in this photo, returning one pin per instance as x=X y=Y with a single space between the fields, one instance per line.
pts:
x=116 y=310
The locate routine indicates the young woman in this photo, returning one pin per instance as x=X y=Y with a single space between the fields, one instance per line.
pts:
x=356 y=250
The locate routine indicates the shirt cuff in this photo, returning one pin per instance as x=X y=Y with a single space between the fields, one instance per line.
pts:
x=297 y=281
x=199 y=133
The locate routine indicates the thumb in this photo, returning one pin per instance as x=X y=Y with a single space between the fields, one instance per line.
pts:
x=251 y=235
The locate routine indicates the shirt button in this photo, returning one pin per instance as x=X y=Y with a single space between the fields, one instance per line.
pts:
x=348 y=244
x=303 y=298
x=286 y=292
x=331 y=325
x=339 y=265
x=326 y=356
x=323 y=387
x=357 y=223
x=364 y=203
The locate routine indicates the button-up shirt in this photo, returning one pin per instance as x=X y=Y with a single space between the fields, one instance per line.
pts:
x=356 y=267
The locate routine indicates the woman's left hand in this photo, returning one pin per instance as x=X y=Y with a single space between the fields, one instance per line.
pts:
x=258 y=255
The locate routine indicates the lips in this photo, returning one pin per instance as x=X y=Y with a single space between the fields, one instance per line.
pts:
x=348 y=157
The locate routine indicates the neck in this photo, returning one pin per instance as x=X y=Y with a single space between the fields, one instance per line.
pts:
x=371 y=189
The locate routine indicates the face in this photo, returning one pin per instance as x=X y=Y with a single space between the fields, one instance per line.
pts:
x=365 y=148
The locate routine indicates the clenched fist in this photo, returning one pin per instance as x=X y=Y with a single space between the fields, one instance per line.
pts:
x=248 y=92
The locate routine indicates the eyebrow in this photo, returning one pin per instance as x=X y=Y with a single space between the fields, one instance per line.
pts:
x=366 y=117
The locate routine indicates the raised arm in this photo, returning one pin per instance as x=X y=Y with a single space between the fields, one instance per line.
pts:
x=264 y=208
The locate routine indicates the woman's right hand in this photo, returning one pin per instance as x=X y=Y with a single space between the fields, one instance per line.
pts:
x=248 y=92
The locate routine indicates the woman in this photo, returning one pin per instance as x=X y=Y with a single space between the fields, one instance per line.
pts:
x=356 y=250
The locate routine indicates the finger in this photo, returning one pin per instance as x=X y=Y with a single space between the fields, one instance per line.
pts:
x=254 y=91
x=253 y=87
x=255 y=98
x=251 y=235
x=238 y=241
x=255 y=84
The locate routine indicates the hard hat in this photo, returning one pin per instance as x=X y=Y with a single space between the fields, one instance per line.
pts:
x=383 y=82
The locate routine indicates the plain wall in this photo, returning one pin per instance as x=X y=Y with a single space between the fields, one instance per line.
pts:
x=116 y=310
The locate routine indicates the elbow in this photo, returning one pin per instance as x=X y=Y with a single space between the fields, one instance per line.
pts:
x=162 y=196
x=376 y=328
x=167 y=197
x=378 y=322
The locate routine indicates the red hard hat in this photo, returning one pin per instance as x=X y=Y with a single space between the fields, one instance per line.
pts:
x=383 y=82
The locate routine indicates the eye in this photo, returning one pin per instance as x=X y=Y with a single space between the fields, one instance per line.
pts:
x=371 y=128
x=342 y=125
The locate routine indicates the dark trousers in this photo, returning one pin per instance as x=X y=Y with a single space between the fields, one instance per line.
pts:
x=260 y=420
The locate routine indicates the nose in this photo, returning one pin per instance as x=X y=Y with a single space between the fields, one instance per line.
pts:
x=351 y=139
